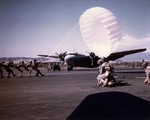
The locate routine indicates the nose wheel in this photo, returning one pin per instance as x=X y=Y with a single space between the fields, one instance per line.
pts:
x=69 y=68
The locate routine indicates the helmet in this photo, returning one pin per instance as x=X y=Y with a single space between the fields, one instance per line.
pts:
x=144 y=64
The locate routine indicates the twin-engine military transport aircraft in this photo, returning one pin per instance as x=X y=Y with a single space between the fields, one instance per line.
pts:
x=75 y=59
x=102 y=34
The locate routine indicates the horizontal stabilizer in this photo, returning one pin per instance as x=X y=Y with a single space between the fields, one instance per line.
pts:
x=52 y=56
x=43 y=55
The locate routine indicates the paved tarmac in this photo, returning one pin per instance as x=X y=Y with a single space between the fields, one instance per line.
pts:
x=63 y=95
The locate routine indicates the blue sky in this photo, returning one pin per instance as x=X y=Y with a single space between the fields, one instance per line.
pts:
x=31 y=27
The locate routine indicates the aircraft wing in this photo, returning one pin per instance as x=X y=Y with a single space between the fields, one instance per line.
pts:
x=117 y=55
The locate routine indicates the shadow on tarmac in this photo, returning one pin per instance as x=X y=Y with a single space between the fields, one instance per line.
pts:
x=120 y=83
x=112 y=106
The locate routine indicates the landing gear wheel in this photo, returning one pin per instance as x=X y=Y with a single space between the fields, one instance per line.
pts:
x=69 y=68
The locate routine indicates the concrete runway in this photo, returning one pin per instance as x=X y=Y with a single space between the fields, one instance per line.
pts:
x=63 y=95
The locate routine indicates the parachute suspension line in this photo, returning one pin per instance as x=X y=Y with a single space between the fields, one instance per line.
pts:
x=64 y=41
x=71 y=41
x=71 y=32
x=76 y=40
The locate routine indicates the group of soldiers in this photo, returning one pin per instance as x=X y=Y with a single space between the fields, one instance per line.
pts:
x=105 y=77
x=20 y=67
x=106 y=73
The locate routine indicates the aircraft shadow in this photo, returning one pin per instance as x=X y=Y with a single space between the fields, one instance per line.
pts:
x=112 y=106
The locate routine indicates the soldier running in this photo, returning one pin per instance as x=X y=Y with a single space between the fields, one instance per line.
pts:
x=18 y=67
x=8 y=68
x=1 y=70
x=35 y=67
x=28 y=67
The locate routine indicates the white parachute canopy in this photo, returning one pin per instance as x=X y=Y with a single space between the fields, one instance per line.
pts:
x=100 y=30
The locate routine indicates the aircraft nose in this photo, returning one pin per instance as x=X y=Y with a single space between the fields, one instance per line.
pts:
x=68 y=58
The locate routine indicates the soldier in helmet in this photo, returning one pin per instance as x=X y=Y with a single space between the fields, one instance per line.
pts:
x=105 y=77
x=147 y=71
x=35 y=67
x=28 y=67
x=1 y=70
x=8 y=68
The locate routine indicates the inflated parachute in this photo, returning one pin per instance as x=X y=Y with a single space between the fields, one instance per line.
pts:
x=100 y=30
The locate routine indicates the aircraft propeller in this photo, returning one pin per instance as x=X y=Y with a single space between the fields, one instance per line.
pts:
x=61 y=56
